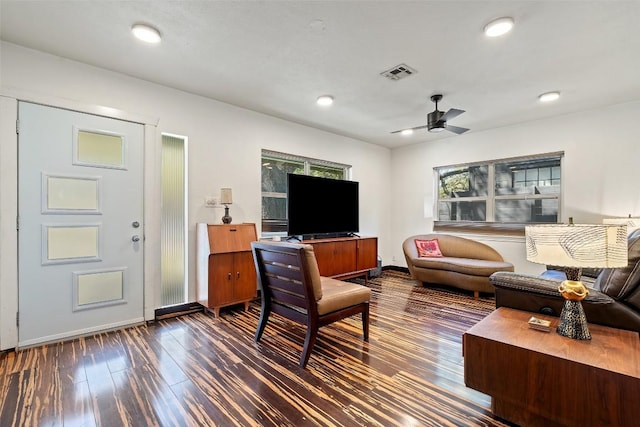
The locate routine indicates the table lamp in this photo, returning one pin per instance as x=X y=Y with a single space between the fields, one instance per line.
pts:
x=576 y=246
x=633 y=223
x=226 y=200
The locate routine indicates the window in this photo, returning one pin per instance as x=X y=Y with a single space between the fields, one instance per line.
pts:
x=174 y=264
x=275 y=167
x=509 y=191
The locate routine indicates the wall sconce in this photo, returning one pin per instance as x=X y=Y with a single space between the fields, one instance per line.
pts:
x=226 y=199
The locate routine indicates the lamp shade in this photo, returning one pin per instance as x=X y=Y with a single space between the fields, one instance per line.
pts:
x=577 y=245
x=632 y=223
x=225 y=196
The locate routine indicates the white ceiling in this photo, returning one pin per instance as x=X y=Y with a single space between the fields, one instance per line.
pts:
x=277 y=57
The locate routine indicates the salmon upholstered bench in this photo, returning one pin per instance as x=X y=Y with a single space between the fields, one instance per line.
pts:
x=459 y=262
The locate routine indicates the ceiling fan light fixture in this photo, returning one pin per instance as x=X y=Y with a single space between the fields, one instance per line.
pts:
x=438 y=127
x=549 y=96
x=324 y=100
x=146 y=33
x=498 y=27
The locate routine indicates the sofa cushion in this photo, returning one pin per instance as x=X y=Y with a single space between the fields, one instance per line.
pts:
x=428 y=248
x=474 y=267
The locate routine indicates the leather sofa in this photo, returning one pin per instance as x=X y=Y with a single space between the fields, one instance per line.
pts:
x=614 y=293
x=465 y=263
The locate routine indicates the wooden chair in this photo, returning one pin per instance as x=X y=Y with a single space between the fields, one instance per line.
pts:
x=292 y=287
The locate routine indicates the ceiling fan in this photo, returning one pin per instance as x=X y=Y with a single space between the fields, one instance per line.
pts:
x=437 y=120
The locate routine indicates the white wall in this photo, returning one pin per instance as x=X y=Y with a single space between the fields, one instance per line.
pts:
x=600 y=174
x=225 y=141
x=600 y=170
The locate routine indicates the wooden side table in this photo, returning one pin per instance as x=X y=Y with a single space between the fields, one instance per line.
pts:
x=544 y=379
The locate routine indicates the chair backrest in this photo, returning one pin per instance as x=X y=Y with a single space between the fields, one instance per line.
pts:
x=623 y=284
x=290 y=280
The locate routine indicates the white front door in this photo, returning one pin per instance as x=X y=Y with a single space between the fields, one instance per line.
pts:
x=80 y=238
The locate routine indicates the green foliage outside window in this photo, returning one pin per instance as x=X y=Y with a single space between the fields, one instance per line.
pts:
x=456 y=180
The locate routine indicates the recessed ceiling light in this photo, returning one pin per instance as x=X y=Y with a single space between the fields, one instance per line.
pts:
x=325 y=100
x=498 y=27
x=146 y=33
x=549 y=96
x=407 y=132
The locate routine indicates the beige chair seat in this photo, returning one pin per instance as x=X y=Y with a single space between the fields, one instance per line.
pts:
x=337 y=294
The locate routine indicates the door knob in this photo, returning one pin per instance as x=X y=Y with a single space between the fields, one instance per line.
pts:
x=135 y=238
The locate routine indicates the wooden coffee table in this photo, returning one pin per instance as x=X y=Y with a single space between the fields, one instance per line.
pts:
x=544 y=379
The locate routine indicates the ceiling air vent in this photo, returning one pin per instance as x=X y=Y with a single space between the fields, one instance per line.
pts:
x=399 y=72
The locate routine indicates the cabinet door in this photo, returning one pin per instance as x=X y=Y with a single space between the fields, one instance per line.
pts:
x=367 y=253
x=345 y=256
x=231 y=237
x=335 y=258
x=246 y=279
x=221 y=278
x=324 y=255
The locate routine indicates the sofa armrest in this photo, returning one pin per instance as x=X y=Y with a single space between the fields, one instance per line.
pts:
x=536 y=285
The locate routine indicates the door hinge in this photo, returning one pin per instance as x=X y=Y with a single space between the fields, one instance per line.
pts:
x=17 y=318
x=18 y=126
x=17 y=223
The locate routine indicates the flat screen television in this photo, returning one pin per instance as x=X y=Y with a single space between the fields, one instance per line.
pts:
x=321 y=206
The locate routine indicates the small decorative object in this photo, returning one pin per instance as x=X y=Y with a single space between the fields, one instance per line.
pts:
x=539 y=324
x=576 y=246
x=573 y=322
x=226 y=200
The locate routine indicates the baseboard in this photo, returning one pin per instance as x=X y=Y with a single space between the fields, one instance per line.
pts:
x=396 y=268
x=178 y=310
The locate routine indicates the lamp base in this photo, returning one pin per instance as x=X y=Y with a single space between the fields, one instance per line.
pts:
x=573 y=322
x=226 y=219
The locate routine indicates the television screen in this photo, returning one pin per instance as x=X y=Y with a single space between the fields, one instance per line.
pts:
x=317 y=206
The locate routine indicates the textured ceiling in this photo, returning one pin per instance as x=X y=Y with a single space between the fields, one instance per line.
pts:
x=277 y=57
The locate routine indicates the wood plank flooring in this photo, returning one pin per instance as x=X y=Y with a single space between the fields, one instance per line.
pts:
x=197 y=370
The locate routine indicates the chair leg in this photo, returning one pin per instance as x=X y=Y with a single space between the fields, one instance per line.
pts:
x=262 y=323
x=365 y=322
x=309 y=342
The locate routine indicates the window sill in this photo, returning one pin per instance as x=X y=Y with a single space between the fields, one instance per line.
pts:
x=488 y=228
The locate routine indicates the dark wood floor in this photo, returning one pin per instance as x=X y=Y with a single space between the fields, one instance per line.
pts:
x=198 y=370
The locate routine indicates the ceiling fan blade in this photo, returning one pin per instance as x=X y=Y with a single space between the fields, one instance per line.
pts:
x=456 y=129
x=415 y=128
x=454 y=112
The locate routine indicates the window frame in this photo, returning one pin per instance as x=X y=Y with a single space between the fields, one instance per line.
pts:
x=490 y=226
x=308 y=164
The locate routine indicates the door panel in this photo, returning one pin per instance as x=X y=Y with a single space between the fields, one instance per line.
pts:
x=246 y=276
x=80 y=268
x=367 y=253
x=221 y=277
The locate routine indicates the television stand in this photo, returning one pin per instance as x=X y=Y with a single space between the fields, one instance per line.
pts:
x=325 y=236
x=345 y=257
